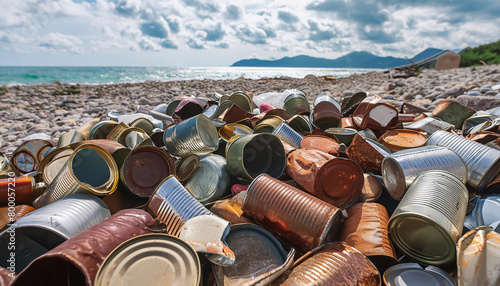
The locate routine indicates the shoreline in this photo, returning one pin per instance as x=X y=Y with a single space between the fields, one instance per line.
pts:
x=56 y=108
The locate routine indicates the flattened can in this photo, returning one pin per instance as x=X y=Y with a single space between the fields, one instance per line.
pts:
x=303 y=220
x=209 y=182
x=429 y=219
x=285 y=133
x=171 y=261
x=84 y=252
x=196 y=135
x=173 y=205
x=366 y=230
x=332 y=264
x=338 y=181
x=483 y=162
x=400 y=169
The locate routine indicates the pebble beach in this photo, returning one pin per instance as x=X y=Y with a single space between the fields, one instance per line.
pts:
x=55 y=108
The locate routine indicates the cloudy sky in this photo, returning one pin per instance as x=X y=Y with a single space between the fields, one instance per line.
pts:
x=217 y=33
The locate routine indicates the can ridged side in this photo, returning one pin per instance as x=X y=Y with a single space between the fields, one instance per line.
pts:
x=296 y=103
x=483 y=162
x=285 y=133
x=431 y=214
x=302 y=219
x=400 y=169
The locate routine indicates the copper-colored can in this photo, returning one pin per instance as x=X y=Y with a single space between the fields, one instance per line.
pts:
x=322 y=143
x=335 y=180
x=19 y=212
x=346 y=122
x=366 y=155
x=6 y=276
x=374 y=114
x=305 y=221
x=332 y=264
x=366 y=230
x=372 y=189
x=76 y=261
x=400 y=139
x=326 y=115
x=18 y=189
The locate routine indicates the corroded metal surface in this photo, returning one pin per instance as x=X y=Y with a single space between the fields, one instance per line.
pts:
x=20 y=188
x=322 y=143
x=374 y=114
x=369 y=158
x=400 y=139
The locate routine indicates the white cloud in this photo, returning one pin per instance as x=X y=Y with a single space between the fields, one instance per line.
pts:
x=57 y=42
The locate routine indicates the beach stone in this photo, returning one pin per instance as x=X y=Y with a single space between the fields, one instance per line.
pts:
x=144 y=101
x=455 y=91
x=347 y=93
x=91 y=111
x=388 y=96
x=497 y=95
x=478 y=102
x=473 y=92
x=496 y=87
x=60 y=112
x=175 y=89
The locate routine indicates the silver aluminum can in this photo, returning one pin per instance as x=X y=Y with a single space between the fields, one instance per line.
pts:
x=429 y=220
x=325 y=97
x=484 y=213
x=286 y=134
x=196 y=135
x=210 y=181
x=483 y=162
x=401 y=168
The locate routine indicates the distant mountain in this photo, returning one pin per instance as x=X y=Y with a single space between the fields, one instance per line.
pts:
x=351 y=60
x=429 y=52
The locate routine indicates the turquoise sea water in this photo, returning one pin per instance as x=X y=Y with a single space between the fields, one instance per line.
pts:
x=100 y=75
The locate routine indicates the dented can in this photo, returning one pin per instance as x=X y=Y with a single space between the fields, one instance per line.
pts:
x=483 y=162
x=335 y=180
x=425 y=230
x=285 y=133
x=311 y=223
x=322 y=143
x=452 y=112
x=367 y=154
x=374 y=114
x=332 y=264
x=210 y=181
x=400 y=169
x=196 y=135
x=429 y=125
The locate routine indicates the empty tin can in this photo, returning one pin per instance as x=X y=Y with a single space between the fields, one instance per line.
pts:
x=367 y=133
x=268 y=124
x=296 y=103
x=195 y=135
x=78 y=259
x=285 y=133
x=134 y=137
x=143 y=123
x=326 y=115
x=89 y=169
x=186 y=167
x=400 y=139
x=372 y=189
x=242 y=100
x=400 y=169
x=332 y=264
x=209 y=182
x=252 y=155
x=322 y=143
x=410 y=273
x=260 y=257
x=483 y=162
x=145 y=168
x=350 y=103
x=485 y=212
x=173 y=205
x=300 y=123
x=429 y=125
x=16 y=191
x=70 y=138
x=188 y=107
x=429 y=219
x=303 y=220
x=151 y=259
x=367 y=154
x=233 y=129
x=29 y=154
x=46 y=228
x=366 y=230
x=374 y=114
x=335 y=180
x=344 y=135
x=101 y=130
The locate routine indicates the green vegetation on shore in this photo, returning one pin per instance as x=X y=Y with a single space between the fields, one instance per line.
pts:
x=489 y=53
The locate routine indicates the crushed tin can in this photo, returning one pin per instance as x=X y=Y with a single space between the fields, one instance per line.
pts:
x=260 y=258
x=29 y=154
x=400 y=169
x=483 y=162
x=311 y=223
x=78 y=258
x=174 y=262
x=452 y=112
x=210 y=181
x=196 y=135
x=252 y=155
x=479 y=257
x=43 y=229
x=374 y=114
x=429 y=125
x=144 y=169
x=188 y=107
x=366 y=230
x=427 y=231
x=335 y=180
x=367 y=133
x=332 y=264
x=7 y=169
x=17 y=191
x=285 y=133
x=350 y=103
x=485 y=212
x=322 y=143
x=367 y=154
x=410 y=273
x=401 y=139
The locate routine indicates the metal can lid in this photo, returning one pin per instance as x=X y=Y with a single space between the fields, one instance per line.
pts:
x=187 y=166
x=408 y=273
x=151 y=259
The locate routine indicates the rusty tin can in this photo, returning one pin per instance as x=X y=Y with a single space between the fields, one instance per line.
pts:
x=296 y=103
x=372 y=189
x=173 y=205
x=303 y=220
x=89 y=169
x=483 y=162
x=322 y=143
x=29 y=154
x=252 y=155
x=425 y=230
x=346 y=122
x=196 y=135
x=326 y=115
x=366 y=230
x=145 y=168
x=374 y=114
x=285 y=133
x=260 y=257
x=78 y=258
x=367 y=133
x=16 y=213
x=332 y=264
x=41 y=230
x=16 y=191
x=400 y=139
x=210 y=181
x=367 y=154
x=400 y=169
x=335 y=180
x=151 y=259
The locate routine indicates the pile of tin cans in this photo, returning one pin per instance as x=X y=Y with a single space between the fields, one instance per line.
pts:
x=220 y=191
